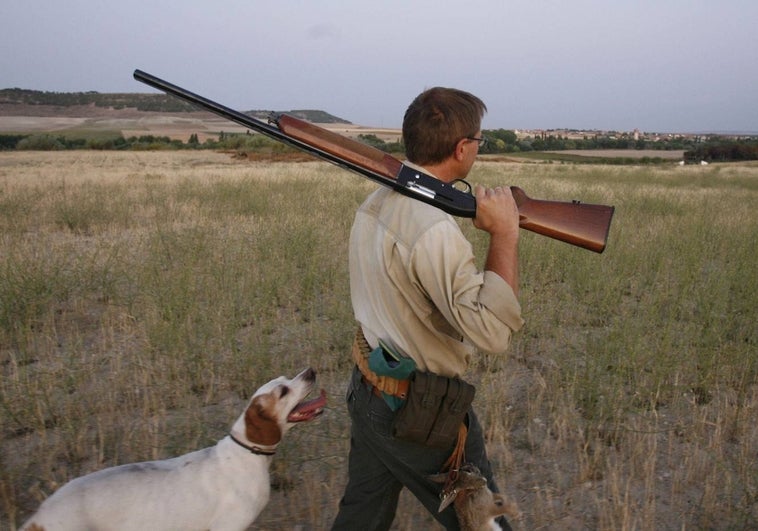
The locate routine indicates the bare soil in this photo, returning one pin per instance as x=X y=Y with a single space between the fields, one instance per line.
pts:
x=21 y=119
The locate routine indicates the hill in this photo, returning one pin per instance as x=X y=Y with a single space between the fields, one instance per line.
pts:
x=25 y=102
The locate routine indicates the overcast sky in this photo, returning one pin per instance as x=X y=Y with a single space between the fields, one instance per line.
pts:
x=653 y=65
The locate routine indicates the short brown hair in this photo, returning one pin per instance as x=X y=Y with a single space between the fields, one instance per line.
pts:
x=436 y=120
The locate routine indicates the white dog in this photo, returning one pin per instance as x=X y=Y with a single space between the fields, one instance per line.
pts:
x=223 y=487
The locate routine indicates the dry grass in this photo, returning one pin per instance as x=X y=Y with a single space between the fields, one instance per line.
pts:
x=144 y=296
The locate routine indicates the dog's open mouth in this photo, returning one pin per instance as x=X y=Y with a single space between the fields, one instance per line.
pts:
x=309 y=410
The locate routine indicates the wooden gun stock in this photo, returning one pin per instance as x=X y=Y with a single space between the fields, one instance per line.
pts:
x=579 y=224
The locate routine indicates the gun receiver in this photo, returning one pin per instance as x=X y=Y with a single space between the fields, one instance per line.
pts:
x=576 y=223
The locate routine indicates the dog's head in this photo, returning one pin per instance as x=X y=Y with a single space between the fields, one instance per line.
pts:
x=275 y=408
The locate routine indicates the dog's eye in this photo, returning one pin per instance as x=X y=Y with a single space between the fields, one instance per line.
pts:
x=284 y=391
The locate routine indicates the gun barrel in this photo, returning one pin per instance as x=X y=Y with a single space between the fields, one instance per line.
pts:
x=260 y=126
x=209 y=105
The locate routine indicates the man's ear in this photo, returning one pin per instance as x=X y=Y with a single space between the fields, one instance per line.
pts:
x=460 y=153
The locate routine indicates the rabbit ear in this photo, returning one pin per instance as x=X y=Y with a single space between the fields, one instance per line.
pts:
x=438 y=478
x=447 y=498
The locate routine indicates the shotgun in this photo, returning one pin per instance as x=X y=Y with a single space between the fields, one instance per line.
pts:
x=576 y=223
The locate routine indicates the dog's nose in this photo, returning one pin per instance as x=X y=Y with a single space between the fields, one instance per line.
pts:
x=309 y=374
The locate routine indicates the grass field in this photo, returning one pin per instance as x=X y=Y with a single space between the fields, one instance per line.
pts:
x=145 y=295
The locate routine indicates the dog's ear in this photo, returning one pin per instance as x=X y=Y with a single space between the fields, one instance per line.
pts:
x=261 y=425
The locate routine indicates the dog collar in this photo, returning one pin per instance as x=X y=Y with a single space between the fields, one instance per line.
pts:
x=255 y=449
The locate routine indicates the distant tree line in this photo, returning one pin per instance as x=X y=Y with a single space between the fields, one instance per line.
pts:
x=57 y=142
x=506 y=141
x=141 y=102
x=500 y=141
x=723 y=151
x=52 y=142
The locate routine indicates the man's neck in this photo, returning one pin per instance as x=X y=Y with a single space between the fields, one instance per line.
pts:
x=445 y=171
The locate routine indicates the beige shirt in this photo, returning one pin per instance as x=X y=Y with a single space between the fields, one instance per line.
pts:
x=415 y=285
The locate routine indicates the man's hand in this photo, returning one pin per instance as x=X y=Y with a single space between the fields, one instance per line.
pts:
x=496 y=211
x=497 y=214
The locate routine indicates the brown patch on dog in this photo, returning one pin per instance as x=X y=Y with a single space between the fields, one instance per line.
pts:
x=35 y=527
x=261 y=426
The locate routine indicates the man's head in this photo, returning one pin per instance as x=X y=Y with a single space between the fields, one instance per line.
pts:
x=437 y=120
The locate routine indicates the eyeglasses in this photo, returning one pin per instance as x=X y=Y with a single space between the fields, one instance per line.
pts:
x=481 y=140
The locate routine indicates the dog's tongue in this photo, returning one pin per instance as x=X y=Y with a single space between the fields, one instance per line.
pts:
x=308 y=410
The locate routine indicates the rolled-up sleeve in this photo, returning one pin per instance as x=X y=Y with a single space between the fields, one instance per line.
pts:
x=480 y=306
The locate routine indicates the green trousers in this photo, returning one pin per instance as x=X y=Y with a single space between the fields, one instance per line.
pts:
x=380 y=466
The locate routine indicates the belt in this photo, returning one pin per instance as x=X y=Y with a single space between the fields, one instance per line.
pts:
x=380 y=384
x=374 y=389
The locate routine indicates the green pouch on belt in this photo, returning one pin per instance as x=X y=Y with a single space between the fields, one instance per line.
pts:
x=385 y=361
x=434 y=410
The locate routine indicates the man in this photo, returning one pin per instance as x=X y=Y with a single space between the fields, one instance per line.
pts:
x=415 y=286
